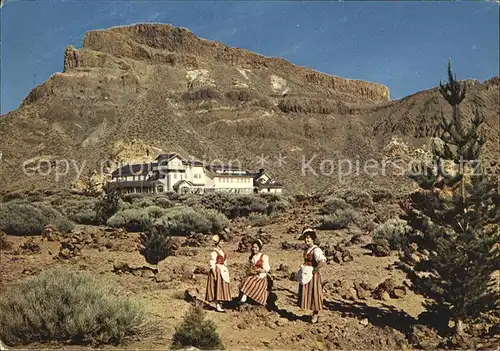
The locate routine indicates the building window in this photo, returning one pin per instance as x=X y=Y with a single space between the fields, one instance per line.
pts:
x=175 y=175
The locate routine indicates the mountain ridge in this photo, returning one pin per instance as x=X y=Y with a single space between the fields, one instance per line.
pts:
x=169 y=90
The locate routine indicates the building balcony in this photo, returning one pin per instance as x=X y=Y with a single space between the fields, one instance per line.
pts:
x=168 y=167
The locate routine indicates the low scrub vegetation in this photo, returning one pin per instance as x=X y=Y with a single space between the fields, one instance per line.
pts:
x=333 y=204
x=338 y=220
x=196 y=331
x=240 y=205
x=61 y=305
x=258 y=220
x=276 y=203
x=381 y=194
x=22 y=218
x=395 y=231
x=355 y=197
x=133 y=220
x=5 y=244
x=183 y=220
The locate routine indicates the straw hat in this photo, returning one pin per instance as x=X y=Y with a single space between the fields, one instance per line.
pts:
x=221 y=236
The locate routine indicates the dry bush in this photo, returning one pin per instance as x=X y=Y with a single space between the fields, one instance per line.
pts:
x=60 y=305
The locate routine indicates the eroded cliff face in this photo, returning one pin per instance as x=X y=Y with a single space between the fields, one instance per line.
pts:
x=178 y=47
x=163 y=87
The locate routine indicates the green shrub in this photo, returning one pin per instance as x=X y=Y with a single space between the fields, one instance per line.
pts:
x=395 y=231
x=64 y=225
x=333 y=204
x=143 y=204
x=338 y=220
x=15 y=195
x=196 y=331
x=155 y=212
x=381 y=194
x=133 y=197
x=172 y=195
x=34 y=198
x=258 y=220
x=60 y=305
x=365 y=222
x=21 y=218
x=183 y=220
x=5 y=244
x=56 y=201
x=355 y=197
x=84 y=217
x=133 y=220
x=163 y=202
x=276 y=203
x=79 y=210
x=234 y=205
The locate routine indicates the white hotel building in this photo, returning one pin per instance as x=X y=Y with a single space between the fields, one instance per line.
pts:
x=171 y=172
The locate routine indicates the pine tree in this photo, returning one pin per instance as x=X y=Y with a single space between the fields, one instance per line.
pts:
x=197 y=331
x=156 y=244
x=455 y=219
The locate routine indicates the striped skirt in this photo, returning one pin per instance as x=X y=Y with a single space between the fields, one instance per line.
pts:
x=217 y=288
x=255 y=288
x=311 y=294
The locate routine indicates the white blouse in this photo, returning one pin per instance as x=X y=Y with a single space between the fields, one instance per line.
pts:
x=319 y=256
x=213 y=258
x=265 y=261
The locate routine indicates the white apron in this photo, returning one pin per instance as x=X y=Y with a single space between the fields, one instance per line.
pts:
x=222 y=268
x=224 y=272
x=305 y=274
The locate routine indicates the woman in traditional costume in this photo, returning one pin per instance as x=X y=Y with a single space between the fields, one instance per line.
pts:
x=218 y=287
x=310 y=295
x=255 y=284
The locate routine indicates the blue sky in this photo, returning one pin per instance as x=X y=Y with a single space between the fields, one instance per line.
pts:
x=404 y=45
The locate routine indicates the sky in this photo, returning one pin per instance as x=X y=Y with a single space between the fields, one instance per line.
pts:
x=401 y=44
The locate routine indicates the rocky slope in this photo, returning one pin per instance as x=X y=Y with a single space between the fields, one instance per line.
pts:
x=163 y=88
